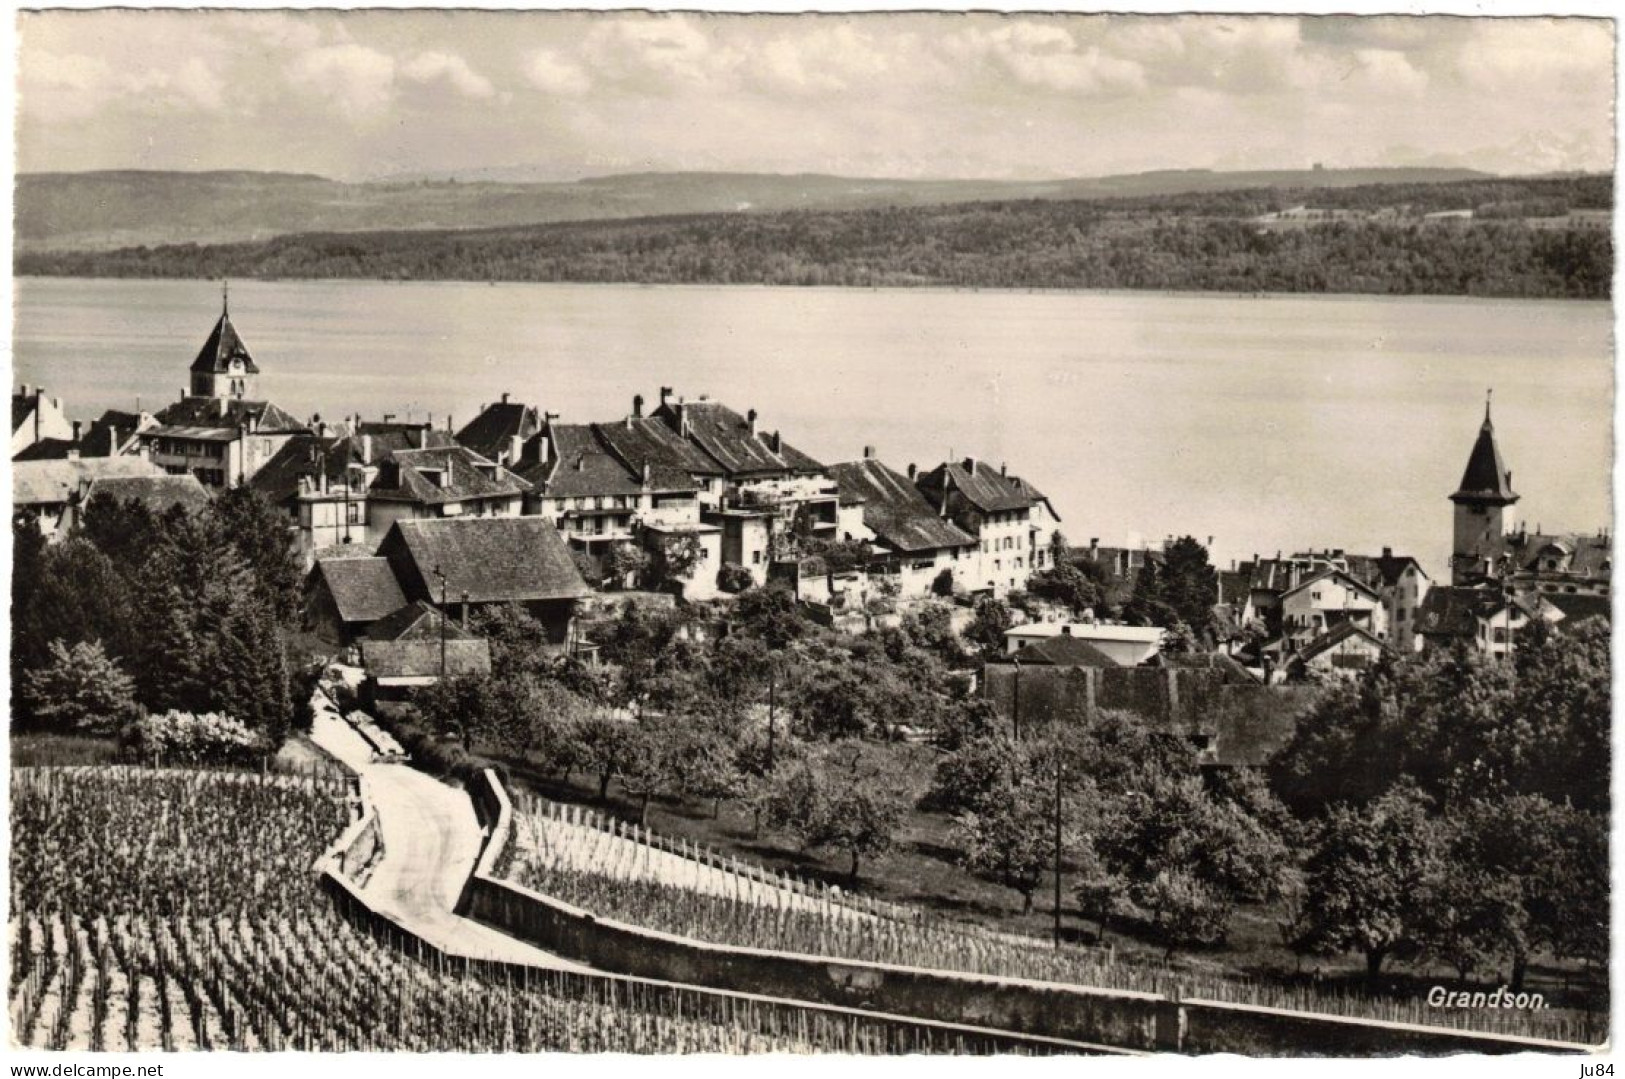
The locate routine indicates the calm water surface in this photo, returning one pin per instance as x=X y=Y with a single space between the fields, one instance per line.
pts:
x=1266 y=423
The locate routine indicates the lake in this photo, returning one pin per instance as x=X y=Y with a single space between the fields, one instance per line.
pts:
x=1267 y=423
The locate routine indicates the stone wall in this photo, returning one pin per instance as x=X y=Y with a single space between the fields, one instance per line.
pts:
x=1244 y=723
x=1085 y=1017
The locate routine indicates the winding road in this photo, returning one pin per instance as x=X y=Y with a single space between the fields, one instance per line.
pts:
x=431 y=840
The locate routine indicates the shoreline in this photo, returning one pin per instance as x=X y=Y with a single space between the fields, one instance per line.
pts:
x=1414 y=297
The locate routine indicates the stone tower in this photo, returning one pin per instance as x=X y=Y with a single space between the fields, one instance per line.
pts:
x=1481 y=502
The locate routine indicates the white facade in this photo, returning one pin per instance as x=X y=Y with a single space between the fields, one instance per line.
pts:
x=1321 y=603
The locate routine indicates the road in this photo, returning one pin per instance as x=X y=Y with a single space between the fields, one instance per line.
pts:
x=431 y=840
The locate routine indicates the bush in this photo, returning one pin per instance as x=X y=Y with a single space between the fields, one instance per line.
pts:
x=734 y=578
x=183 y=738
x=437 y=756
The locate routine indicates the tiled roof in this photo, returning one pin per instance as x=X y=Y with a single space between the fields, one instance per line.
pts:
x=417 y=621
x=59 y=481
x=983 y=487
x=1486 y=477
x=1585 y=555
x=219 y=412
x=640 y=441
x=223 y=346
x=363 y=589
x=493 y=559
x=1330 y=574
x=46 y=449
x=1234 y=671
x=302 y=455
x=1577 y=608
x=580 y=465
x=1063 y=651
x=385 y=438
x=1334 y=637
x=108 y=434
x=1454 y=611
x=490 y=433
x=400 y=477
x=894 y=509
x=421 y=659
x=158 y=493
x=726 y=438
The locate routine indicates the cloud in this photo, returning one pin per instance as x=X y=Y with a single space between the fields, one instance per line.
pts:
x=655 y=52
x=1043 y=57
x=76 y=86
x=357 y=79
x=553 y=74
x=428 y=67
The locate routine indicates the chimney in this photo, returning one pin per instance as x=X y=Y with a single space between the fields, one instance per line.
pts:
x=1004 y=469
x=868 y=453
x=1210 y=543
x=969 y=464
x=913 y=470
x=366 y=449
x=665 y=392
x=777 y=443
x=637 y=406
x=504 y=397
x=448 y=423
x=77 y=430
x=389 y=417
x=1094 y=544
x=24 y=391
x=682 y=419
x=750 y=417
x=1387 y=552
x=647 y=471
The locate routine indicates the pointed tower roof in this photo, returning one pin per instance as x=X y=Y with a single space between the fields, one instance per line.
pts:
x=1486 y=478
x=222 y=347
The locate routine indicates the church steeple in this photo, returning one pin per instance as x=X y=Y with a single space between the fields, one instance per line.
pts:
x=223 y=367
x=1481 y=501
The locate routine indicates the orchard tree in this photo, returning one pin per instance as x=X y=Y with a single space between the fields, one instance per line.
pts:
x=1010 y=839
x=844 y=801
x=1364 y=874
x=625 y=563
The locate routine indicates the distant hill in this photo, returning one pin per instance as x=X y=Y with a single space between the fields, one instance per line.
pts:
x=1497 y=238
x=127 y=208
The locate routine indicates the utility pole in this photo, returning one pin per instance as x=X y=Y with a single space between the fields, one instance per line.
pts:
x=1058 y=769
x=1015 y=704
x=772 y=708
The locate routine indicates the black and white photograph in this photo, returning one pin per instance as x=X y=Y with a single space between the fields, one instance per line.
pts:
x=867 y=534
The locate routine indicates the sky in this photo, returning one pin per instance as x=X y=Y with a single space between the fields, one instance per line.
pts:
x=366 y=95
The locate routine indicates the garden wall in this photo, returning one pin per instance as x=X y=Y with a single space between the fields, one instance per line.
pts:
x=1117 y=1018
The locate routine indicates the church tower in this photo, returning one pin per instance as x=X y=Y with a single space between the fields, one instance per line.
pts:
x=1481 y=501
x=224 y=368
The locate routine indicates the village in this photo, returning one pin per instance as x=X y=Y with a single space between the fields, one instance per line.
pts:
x=404 y=527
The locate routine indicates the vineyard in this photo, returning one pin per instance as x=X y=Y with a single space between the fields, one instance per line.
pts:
x=628 y=875
x=178 y=910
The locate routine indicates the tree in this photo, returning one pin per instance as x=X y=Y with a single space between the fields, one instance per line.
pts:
x=975 y=774
x=1364 y=874
x=987 y=628
x=81 y=689
x=844 y=801
x=770 y=615
x=1190 y=585
x=673 y=560
x=518 y=642
x=625 y=563
x=260 y=534
x=1009 y=839
x=1066 y=585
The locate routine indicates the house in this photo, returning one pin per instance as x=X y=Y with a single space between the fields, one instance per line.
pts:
x=1325 y=601
x=1062 y=651
x=645 y=442
x=1256 y=589
x=501 y=430
x=1127 y=646
x=217 y=431
x=1484 y=619
x=1118 y=567
x=53 y=491
x=918 y=545
x=448 y=482
x=37 y=418
x=114 y=433
x=320 y=482
x=1561 y=564
x=483 y=561
x=597 y=499
x=1347 y=648
x=345 y=596
x=770 y=494
x=395 y=669
x=1403 y=585
x=1012 y=521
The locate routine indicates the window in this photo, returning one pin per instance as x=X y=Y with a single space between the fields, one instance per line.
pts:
x=1314 y=595
x=756 y=558
x=354 y=512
